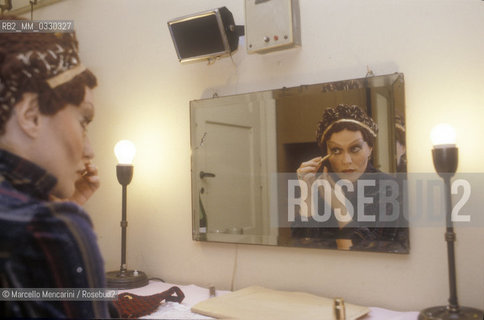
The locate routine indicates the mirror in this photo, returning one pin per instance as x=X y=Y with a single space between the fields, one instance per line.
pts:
x=247 y=148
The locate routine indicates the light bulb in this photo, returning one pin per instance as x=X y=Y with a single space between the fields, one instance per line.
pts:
x=125 y=151
x=443 y=135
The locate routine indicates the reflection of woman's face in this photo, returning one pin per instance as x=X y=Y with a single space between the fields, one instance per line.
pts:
x=349 y=154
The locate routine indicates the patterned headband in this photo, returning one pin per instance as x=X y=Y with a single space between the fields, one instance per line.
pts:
x=361 y=124
x=65 y=76
x=344 y=113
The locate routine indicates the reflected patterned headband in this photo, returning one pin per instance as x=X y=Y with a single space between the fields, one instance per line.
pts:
x=361 y=124
x=399 y=126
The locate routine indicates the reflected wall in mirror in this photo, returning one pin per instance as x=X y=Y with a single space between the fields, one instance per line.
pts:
x=248 y=148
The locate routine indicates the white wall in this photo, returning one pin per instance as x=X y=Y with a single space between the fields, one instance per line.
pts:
x=143 y=95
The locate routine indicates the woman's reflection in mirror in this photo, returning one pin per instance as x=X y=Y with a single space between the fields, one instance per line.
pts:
x=350 y=204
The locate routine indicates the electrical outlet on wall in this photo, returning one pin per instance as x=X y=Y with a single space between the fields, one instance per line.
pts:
x=271 y=25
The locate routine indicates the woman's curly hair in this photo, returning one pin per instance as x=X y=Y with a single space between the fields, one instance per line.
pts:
x=329 y=124
x=28 y=60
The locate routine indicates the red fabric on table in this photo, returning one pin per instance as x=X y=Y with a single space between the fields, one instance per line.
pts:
x=133 y=306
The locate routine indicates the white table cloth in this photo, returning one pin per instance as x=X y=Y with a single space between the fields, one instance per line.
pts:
x=195 y=294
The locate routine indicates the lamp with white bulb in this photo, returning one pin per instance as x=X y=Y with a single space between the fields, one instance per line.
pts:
x=124 y=278
x=445 y=158
x=445 y=153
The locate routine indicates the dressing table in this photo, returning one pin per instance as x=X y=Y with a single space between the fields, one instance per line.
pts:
x=195 y=294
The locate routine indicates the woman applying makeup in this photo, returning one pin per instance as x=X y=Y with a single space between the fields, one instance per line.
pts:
x=355 y=207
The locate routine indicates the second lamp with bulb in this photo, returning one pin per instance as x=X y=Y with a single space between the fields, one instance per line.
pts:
x=445 y=158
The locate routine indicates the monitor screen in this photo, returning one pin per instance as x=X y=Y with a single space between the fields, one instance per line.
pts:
x=198 y=36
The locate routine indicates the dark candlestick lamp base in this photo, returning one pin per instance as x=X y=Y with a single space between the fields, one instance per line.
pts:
x=128 y=279
x=443 y=313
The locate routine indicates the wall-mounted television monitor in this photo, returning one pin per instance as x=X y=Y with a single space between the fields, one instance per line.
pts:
x=204 y=35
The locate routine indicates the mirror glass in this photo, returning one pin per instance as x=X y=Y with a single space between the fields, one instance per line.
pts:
x=258 y=175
